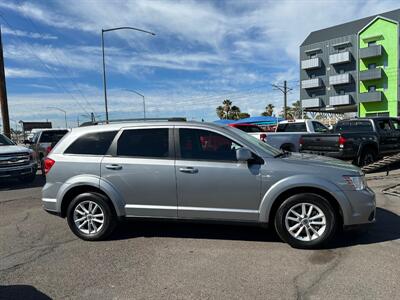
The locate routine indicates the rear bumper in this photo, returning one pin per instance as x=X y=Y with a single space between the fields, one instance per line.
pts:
x=11 y=172
x=341 y=154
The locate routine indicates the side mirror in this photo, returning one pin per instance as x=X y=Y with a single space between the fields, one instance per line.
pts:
x=243 y=154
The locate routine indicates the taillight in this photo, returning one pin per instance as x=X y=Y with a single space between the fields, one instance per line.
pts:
x=48 y=149
x=48 y=163
x=342 y=140
x=301 y=142
x=263 y=137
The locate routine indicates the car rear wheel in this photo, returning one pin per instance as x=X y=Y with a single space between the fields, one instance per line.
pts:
x=305 y=221
x=90 y=217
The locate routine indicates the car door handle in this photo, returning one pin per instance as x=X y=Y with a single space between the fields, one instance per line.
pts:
x=189 y=170
x=113 y=167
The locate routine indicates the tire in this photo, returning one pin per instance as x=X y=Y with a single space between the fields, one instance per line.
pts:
x=306 y=239
x=42 y=167
x=96 y=230
x=28 y=178
x=368 y=156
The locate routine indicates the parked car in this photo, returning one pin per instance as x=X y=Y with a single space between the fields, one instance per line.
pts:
x=43 y=142
x=362 y=140
x=288 y=134
x=247 y=127
x=16 y=161
x=180 y=170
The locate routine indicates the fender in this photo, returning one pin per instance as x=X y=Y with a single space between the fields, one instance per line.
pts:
x=302 y=181
x=97 y=182
x=364 y=144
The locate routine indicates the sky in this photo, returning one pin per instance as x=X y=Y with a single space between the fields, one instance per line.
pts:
x=203 y=52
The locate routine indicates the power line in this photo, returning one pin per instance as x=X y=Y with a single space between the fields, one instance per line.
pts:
x=64 y=67
x=44 y=64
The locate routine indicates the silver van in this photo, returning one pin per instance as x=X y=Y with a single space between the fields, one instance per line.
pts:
x=182 y=170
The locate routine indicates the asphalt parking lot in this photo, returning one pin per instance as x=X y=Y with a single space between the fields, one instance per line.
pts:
x=40 y=258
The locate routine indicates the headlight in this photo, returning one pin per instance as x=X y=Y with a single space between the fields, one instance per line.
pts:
x=356 y=182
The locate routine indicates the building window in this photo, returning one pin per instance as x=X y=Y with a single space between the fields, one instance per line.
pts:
x=313 y=55
x=312 y=75
x=341 y=71
x=341 y=49
x=371 y=43
x=371 y=66
x=313 y=95
x=341 y=92
x=372 y=88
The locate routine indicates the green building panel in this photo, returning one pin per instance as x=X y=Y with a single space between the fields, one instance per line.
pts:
x=382 y=32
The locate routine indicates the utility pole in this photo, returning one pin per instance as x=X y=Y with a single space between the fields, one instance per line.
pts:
x=3 y=94
x=285 y=90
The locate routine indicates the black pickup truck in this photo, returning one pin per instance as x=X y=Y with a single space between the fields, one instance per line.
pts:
x=361 y=140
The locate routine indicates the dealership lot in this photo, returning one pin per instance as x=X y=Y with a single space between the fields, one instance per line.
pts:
x=40 y=257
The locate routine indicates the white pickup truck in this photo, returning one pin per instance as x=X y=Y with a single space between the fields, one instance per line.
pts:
x=16 y=161
x=288 y=133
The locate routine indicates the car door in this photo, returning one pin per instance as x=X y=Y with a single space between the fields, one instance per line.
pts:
x=141 y=169
x=396 y=133
x=387 y=138
x=211 y=183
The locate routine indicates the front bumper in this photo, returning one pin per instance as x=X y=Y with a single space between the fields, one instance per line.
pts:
x=363 y=207
x=11 y=172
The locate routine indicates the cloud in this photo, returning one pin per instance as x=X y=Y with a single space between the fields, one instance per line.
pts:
x=24 y=73
x=32 y=35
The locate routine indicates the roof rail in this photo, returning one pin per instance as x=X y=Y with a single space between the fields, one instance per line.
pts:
x=171 y=119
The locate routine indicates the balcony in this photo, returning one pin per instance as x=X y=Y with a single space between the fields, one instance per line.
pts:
x=339 y=58
x=311 y=103
x=370 y=97
x=340 y=79
x=371 y=51
x=312 y=63
x=311 y=83
x=339 y=100
x=371 y=74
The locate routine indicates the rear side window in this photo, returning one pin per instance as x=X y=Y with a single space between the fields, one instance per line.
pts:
x=96 y=143
x=318 y=127
x=346 y=126
x=384 y=125
x=52 y=136
x=144 y=143
x=292 y=127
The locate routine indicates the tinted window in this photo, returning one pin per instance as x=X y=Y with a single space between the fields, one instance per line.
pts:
x=206 y=145
x=144 y=143
x=318 y=127
x=384 y=125
x=292 y=127
x=396 y=124
x=96 y=143
x=52 y=136
x=361 y=126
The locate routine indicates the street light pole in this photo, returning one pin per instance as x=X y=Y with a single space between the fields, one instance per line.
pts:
x=65 y=114
x=104 y=63
x=144 y=102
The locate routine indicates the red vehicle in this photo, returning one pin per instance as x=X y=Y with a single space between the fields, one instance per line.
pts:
x=247 y=127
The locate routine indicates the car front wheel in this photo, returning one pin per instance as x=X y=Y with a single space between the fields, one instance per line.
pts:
x=90 y=217
x=305 y=221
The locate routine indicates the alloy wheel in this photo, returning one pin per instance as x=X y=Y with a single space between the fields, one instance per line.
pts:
x=305 y=222
x=88 y=217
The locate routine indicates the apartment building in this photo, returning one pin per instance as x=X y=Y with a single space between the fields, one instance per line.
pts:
x=353 y=67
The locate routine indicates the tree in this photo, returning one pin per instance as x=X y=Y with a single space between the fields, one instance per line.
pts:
x=230 y=111
x=269 y=110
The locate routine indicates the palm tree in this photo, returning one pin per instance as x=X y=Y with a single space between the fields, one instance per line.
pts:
x=269 y=110
x=227 y=107
x=220 y=112
x=296 y=110
x=234 y=112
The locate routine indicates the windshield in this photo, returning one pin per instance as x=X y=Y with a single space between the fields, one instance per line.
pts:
x=4 y=141
x=255 y=142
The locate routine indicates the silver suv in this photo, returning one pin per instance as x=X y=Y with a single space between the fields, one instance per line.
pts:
x=199 y=171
